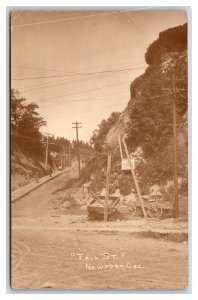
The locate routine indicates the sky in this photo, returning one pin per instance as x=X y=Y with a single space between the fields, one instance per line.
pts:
x=78 y=65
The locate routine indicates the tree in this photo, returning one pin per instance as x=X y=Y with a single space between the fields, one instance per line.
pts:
x=17 y=108
x=25 y=123
x=99 y=134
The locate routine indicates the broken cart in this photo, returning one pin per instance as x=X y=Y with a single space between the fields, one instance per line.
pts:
x=155 y=209
x=96 y=207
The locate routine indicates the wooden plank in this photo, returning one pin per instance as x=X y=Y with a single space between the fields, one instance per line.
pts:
x=134 y=179
x=120 y=145
x=110 y=197
x=107 y=188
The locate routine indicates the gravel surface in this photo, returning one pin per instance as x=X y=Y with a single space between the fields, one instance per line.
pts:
x=60 y=249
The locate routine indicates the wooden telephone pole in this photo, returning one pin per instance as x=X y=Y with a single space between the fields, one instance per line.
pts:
x=69 y=155
x=176 y=196
x=61 y=159
x=46 y=152
x=107 y=188
x=47 y=149
x=64 y=156
x=78 y=150
x=173 y=91
x=63 y=149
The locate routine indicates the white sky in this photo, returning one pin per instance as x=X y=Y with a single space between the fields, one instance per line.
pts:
x=64 y=51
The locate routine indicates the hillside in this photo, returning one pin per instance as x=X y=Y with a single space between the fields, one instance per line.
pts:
x=147 y=120
x=24 y=167
x=149 y=103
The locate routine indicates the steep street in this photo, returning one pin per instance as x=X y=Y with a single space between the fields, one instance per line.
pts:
x=65 y=251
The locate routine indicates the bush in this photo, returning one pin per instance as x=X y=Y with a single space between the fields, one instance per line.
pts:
x=125 y=184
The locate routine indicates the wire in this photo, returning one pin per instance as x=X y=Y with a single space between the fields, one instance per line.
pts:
x=48 y=82
x=53 y=85
x=92 y=99
x=157 y=96
x=75 y=74
x=45 y=85
x=35 y=68
x=104 y=96
x=58 y=82
x=51 y=104
x=84 y=91
x=84 y=112
x=59 y=103
x=63 y=71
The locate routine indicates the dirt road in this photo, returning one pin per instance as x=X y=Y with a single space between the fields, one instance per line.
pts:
x=47 y=253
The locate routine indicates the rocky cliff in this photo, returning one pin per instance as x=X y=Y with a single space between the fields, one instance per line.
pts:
x=148 y=118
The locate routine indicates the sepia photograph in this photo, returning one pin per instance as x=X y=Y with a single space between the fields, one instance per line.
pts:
x=99 y=149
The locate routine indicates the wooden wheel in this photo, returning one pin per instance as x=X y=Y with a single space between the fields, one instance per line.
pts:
x=132 y=210
x=91 y=216
x=155 y=211
x=139 y=212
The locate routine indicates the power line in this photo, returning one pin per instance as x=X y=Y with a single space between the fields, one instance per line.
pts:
x=104 y=99
x=157 y=96
x=51 y=85
x=59 y=82
x=75 y=74
x=36 y=68
x=79 y=100
x=48 y=103
x=84 y=91
x=46 y=85
x=62 y=71
x=84 y=112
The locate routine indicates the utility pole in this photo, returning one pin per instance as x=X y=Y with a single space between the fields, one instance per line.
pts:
x=65 y=154
x=61 y=159
x=69 y=155
x=77 y=127
x=46 y=152
x=47 y=148
x=176 y=196
x=107 y=188
x=173 y=91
